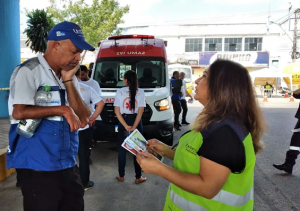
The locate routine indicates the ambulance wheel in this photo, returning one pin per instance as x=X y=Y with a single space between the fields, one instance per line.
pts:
x=169 y=141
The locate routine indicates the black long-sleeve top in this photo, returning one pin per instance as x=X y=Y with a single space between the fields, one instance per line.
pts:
x=297 y=115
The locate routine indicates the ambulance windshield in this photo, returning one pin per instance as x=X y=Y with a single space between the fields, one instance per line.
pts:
x=150 y=71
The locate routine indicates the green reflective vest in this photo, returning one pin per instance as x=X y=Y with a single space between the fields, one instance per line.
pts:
x=268 y=87
x=237 y=192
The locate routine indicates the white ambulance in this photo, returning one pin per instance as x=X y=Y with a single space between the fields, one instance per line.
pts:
x=147 y=56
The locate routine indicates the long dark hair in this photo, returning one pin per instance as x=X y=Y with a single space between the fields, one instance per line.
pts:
x=131 y=78
x=231 y=95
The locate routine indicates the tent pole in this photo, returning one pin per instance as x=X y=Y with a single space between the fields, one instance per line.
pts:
x=291 y=84
x=276 y=85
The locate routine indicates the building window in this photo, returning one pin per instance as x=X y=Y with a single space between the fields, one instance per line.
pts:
x=253 y=44
x=213 y=44
x=233 y=44
x=193 y=45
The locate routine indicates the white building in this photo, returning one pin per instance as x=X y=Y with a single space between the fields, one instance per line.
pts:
x=249 y=40
x=253 y=41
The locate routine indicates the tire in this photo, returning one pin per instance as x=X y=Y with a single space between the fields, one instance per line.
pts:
x=168 y=141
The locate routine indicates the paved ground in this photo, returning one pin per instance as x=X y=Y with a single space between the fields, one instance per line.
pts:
x=4 y=128
x=273 y=190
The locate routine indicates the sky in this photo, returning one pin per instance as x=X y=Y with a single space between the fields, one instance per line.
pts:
x=186 y=11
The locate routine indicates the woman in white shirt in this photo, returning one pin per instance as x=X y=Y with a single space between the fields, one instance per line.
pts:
x=129 y=107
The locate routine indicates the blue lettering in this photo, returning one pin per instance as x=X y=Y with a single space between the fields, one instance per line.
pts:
x=48 y=102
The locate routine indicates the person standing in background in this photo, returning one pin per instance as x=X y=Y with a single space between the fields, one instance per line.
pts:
x=85 y=135
x=293 y=152
x=176 y=97
x=91 y=66
x=85 y=79
x=129 y=108
x=183 y=100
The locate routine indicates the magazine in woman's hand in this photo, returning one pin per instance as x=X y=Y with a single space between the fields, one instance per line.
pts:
x=135 y=143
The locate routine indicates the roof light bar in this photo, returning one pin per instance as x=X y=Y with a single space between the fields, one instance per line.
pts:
x=131 y=36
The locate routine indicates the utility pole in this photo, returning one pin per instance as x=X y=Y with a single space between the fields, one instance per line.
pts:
x=295 y=53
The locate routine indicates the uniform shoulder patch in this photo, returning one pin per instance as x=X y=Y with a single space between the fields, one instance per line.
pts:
x=31 y=63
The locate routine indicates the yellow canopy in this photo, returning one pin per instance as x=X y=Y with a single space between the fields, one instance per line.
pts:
x=294 y=69
x=262 y=81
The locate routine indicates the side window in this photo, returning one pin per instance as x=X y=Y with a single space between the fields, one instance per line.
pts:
x=97 y=74
x=107 y=73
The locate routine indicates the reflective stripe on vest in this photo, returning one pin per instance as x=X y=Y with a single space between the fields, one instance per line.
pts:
x=223 y=196
x=233 y=199
x=183 y=203
x=294 y=148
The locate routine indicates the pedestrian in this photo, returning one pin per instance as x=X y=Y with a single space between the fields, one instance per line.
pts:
x=91 y=66
x=45 y=88
x=176 y=97
x=85 y=79
x=214 y=162
x=293 y=152
x=183 y=100
x=85 y=135
x=268 y=88
x=129 y=107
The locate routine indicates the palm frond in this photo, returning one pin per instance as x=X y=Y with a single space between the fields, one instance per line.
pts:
x=39 y=24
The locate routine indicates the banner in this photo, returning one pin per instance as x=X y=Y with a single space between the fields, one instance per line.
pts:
x=191 y=60
x=245 y=58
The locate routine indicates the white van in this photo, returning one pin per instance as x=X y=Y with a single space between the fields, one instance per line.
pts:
x=147 y=56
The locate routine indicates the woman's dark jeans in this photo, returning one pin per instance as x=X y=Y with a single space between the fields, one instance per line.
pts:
x=129 y=119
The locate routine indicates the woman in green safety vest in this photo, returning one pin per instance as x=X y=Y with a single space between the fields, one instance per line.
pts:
x=213 y=164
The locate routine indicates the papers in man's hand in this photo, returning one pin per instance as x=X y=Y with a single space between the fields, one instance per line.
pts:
x=135 y=143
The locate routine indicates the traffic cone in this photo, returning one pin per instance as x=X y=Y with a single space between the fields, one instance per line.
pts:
x=265 y=97
x=286 y=95
x=292 y=98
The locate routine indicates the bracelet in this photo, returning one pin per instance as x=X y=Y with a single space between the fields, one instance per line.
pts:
x=67 y=81
x=174 y=147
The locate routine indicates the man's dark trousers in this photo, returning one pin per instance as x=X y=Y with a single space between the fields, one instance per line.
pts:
x=293 y=152
x=177 y=111
x=184 y=109
x=51 y=190
x=85 y=140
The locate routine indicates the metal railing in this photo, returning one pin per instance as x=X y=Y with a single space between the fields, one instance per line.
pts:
x=3 y=89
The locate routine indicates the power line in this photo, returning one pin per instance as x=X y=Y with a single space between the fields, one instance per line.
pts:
x=286 y=17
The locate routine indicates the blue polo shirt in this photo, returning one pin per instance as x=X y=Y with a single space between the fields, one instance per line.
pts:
x=174 y=96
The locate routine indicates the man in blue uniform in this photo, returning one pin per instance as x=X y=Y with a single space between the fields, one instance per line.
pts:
x=176 y=84
x=46 y=162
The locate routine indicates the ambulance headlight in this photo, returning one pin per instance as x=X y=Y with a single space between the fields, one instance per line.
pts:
x=162 y=105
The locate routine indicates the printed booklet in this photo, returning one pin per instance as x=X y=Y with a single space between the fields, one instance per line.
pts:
x=136 y=142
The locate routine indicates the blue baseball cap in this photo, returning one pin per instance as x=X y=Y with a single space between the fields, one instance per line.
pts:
x=68 y=30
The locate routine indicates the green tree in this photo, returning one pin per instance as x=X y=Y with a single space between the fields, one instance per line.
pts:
x=97 y=21
x=39 y=23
